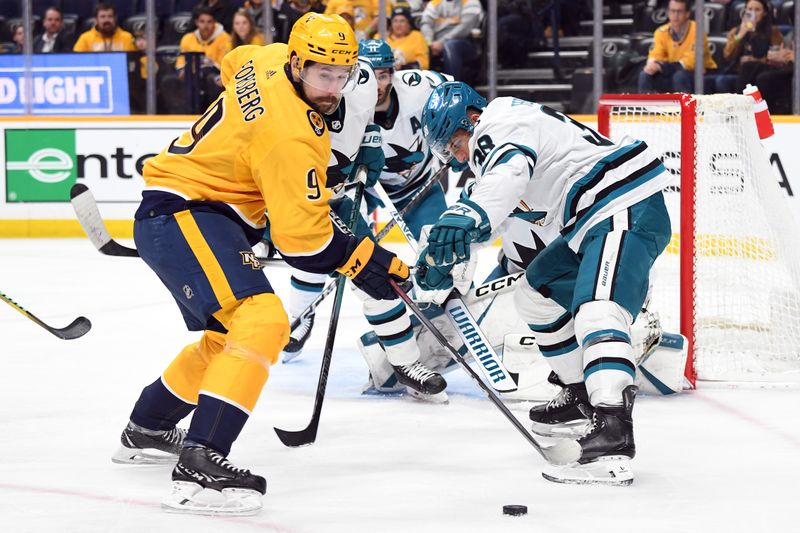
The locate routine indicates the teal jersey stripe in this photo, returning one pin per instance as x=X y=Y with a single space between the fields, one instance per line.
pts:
x=599 y=166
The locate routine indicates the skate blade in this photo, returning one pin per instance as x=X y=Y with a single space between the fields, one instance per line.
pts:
x=288 y=357
x=143 y=456
x=573 y=430
x=191 y=498
x=438 y=398
x=612 y=470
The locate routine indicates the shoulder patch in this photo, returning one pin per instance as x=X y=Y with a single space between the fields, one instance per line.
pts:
x=412 y=79
x=317 y=124
x=363 y=76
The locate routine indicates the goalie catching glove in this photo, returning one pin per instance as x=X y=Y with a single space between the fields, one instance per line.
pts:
x=369 y=267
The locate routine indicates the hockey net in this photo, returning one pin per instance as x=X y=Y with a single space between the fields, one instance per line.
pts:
x=734 y=289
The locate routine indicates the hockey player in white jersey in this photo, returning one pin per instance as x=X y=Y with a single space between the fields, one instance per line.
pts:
x=581 y=293
x=354 y=141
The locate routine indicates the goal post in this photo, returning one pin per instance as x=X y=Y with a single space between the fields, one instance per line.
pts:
x=733 y=286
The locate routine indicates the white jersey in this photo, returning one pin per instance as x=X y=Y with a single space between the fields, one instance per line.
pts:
x=409 y=162
x=524 y=235
x=347 y=124
x=533 y=159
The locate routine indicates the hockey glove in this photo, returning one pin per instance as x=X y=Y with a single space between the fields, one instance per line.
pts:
x=434 y=284
x=371 y=154
x=369 y=267
x=268 y=247
x=449 y=241
x=456 y=166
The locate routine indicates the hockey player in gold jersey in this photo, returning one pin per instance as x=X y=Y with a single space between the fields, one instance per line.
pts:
x=261 y=146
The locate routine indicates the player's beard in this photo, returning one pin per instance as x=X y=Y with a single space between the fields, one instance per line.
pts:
x=383 y=95
x=327 y=104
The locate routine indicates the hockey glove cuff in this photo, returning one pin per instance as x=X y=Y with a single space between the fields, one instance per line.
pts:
x=369 y=267
x=371 y=154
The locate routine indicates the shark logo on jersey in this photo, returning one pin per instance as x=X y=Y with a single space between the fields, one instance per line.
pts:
x=363 y=76
x=340 y=171
x=526 y=254
x=412 y=79
x=404 y=160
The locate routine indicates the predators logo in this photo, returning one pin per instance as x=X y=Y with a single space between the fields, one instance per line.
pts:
x=317 y=124
x=249 y=258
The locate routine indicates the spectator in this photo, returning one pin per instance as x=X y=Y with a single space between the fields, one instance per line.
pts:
x=17 y=38
x=106 y=36
x=213 y=41
x=53 y=39
x=775 y=83
x=519 y=31
x=346 y=11
x=747 y=47
x=670 y=64
x=408 y=44
x=245 y=31
x=294 y=9
x=447 y=25
x=221 y=10
x=365 y=13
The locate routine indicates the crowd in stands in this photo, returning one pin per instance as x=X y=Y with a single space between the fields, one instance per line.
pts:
x=446 y=35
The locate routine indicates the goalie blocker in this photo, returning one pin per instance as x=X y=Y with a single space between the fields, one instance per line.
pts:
x=660 y=356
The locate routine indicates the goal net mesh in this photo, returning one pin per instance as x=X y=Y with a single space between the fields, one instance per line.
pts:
x=746 y=288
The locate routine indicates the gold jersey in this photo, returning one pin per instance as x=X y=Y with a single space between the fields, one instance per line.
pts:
x=259 y=147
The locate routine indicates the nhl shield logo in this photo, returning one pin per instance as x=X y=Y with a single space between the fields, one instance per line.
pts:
x=317 y=124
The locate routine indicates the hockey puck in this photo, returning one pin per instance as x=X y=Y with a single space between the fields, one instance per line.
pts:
x=515 y=510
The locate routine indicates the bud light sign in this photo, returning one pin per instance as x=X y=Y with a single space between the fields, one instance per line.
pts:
x=88 y=83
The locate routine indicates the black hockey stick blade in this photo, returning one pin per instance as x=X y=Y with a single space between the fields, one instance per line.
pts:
x=88 y=214
x=304 y=437
x=78 y=328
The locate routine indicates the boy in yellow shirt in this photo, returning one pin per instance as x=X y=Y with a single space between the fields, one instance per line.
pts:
x=670 y=64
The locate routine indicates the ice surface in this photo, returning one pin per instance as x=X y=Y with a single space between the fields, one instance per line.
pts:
x=716 y=459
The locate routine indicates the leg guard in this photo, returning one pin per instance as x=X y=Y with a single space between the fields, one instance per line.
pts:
x=603 y=328
x=184 y=374
x=554 y=329
x=306 y=287
x=390 y=321
x=257 y=331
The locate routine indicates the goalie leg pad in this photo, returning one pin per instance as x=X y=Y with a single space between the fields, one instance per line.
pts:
x=662 y=372
x=604 y=330
x=554 y=329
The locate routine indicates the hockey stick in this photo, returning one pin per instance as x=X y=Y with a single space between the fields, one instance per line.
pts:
x=309 y=434
x=415 y=199
x=85 y=207
x=78 y=328
x=565 y=452
x=462 y=320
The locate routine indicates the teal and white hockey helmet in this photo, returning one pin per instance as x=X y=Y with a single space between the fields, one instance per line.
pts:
x=445 y=112
x=377 y=53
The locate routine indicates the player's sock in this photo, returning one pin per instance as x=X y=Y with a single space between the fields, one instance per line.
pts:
x=205 y=482
x=146 y=446
x=566 y=415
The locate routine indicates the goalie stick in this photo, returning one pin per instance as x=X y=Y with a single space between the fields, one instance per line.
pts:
x=565 y=452
x=415 y=199
x=78 y=328
x=309 y=434
x=462 y=320
x=85 y=207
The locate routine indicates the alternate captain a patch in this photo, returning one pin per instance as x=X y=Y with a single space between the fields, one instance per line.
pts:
x=317 y=124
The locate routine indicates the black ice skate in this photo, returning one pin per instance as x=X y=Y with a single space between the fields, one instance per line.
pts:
x=566 y=415
x=298 y=338
x=147 y=446
x=606 y=449
x=417 y=377
x=205 y=482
